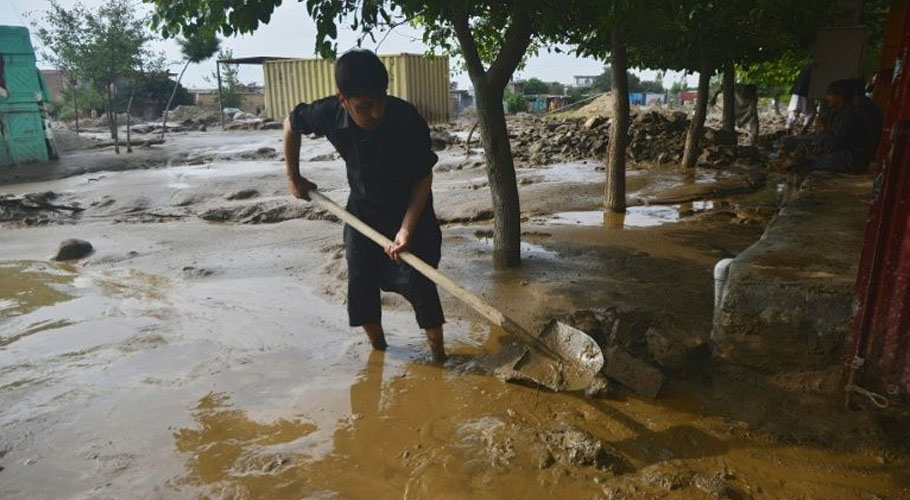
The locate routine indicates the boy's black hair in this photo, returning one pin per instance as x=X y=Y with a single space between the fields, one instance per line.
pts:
x=359 y=73
x=843 y=88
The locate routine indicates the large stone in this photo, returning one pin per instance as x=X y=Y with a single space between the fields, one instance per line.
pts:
x=594 y=121
x=640 y=376
x=787 y=299
x=73 y=249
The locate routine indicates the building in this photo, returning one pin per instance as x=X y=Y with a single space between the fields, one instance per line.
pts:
x=26 y=134
x=253 y=98
x=56 y=84
x=460 y=101
x=584 y=80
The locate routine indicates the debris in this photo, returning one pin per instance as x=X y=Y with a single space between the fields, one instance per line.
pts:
x=242 y=194
x=638 y=375
x=73 y=249
x=577 y=448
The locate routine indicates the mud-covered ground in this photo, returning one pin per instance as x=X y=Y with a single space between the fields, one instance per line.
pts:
x=203 y=350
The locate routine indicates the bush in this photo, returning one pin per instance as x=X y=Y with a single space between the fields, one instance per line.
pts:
x=515 y=103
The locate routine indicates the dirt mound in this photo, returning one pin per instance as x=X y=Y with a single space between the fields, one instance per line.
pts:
x=600 y=106
x=265 y=212
x=35 y=209
x=653 y=136
x=195 y=113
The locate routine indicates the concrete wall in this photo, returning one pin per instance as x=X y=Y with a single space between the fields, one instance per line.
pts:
x=788 y=299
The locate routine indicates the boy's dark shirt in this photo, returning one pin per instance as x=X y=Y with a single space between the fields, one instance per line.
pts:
x=382 y=164
x=848 y=130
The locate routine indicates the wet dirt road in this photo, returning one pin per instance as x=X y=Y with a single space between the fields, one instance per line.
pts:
x=189 y=359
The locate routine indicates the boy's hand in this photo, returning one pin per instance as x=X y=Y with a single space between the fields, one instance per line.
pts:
x=300 y=187
x=401 y=243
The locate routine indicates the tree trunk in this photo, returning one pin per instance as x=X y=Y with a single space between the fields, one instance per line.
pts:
x=129 y=123
x=696 y=126
x=615 y=192
x=220 y=102
x=76 y=106
x=501 y=173
x=729 y=118
x=112 y=119
x=775 y=101
x=171 y=99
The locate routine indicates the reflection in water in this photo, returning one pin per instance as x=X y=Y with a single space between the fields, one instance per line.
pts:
x=235 y=457
x=423 y=433
x=614 y=220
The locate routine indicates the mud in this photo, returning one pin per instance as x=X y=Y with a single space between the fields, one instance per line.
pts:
x=193 y=359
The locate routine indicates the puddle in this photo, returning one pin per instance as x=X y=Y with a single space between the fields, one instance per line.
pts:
x=644 y=216
x=28 y=285
x=635 y=217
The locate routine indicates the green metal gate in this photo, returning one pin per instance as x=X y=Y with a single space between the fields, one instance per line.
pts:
x=25 y=133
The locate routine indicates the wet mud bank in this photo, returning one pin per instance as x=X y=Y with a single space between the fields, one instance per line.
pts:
x=202 y=348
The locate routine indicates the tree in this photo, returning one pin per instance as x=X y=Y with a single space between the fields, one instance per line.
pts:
x=610 y=32
x=230 y=82
x=65 y=43
x=604 y=81
x=117 y=50
x=491 y=37
x=534 y=86
x=196 y=48
x=515 y=102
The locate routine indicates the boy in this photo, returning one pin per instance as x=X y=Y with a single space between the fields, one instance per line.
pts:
x=385 y=145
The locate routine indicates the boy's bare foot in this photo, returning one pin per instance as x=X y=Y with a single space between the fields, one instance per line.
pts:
x=376 y=335
x=437 y=346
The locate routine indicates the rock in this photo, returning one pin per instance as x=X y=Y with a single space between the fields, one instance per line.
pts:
x=576 y=448
x=241 y=194
x=272 y=125
x=720 y=137
x=599 y=388
x=594 y=121
x=196 y=272
x=73 y=249
x=325 y=157
x=639 y=376
x=441 y=139
x=677 y=351
x=183 y=198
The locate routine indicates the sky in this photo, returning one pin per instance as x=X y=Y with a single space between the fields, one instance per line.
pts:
x=291 y=33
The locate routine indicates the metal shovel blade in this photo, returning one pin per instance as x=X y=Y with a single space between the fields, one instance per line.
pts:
x=582 y=360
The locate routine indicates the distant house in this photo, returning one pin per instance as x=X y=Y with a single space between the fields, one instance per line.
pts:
x=687 y=96
x=459 y=101
x=56 y=83
x=584 y=80
x=253 y=98
x=514 y=86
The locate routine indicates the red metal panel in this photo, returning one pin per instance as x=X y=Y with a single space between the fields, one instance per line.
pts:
x=881 y=340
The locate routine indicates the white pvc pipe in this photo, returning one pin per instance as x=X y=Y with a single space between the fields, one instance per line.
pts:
x=721 y=272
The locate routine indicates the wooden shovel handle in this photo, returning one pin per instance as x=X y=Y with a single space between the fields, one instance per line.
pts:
x=486 y=310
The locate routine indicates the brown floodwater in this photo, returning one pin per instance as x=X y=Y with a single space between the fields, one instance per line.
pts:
x=192 y=360
x=109 y=400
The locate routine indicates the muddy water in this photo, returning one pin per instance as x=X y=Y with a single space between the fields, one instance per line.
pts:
x=134 y=392
x=196 y=360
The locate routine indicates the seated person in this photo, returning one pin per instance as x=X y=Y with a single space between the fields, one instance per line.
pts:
x=846 y=136
x=870 y=109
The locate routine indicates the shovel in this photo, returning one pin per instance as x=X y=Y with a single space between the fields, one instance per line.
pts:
x=562 y=358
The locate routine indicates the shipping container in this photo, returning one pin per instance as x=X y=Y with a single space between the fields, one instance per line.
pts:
x=25 y=132
x=421 y=80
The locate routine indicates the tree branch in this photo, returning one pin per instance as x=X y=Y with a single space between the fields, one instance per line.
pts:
x=514 y=45
x=459 y=19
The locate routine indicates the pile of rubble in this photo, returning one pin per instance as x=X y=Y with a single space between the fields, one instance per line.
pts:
x=653 y=136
